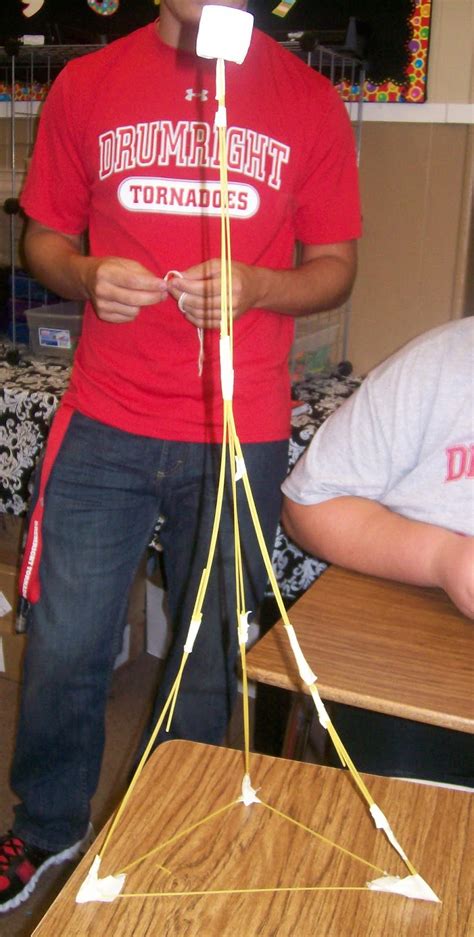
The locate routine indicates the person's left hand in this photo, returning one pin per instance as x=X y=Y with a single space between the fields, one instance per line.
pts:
x=198 y=292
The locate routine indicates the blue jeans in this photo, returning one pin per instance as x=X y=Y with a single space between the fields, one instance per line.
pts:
x=106 y=491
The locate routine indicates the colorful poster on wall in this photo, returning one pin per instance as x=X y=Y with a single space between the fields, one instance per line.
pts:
x=397 y=34
x=104 y=7
x=413 y=89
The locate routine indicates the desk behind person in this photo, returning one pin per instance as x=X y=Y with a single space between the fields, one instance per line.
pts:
x=386 y=488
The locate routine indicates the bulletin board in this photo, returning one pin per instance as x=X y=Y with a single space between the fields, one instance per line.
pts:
x=395 y=52
x=394 y=40
x=413 y=89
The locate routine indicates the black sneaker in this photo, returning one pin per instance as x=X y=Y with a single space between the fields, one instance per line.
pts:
x=21 y=866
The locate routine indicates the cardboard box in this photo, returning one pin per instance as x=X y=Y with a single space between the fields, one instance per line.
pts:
x=12 y=529
x=158 y=624
x=158 y=629
x=137 y=599
x=12 y=649
x=8 y=597
x=133 y=643
x=313 y=349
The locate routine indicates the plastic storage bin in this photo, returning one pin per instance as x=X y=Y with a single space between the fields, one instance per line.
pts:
x=55 y=330
x=313 y=350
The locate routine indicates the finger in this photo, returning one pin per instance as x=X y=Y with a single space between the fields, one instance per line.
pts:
x=140 y=277
x=202 y=320
x=209 y=269
x=116 y=317
x=107 y=310
x=146 y=282
x=128 y=297
x=202 y=290
x=128 y=276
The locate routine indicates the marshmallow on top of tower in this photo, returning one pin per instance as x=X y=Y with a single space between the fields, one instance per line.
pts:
x=224 y=33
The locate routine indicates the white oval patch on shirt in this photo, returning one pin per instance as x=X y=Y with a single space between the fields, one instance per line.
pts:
x=185 y=197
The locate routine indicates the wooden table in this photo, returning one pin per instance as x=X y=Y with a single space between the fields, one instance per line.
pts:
x=379 y=645
x=250 y=847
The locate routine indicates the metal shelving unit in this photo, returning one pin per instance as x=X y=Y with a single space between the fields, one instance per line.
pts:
x=26 y=73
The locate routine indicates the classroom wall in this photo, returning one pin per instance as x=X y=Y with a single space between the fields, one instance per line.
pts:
x=416 y=184
x=450 y=67
x=417 y=177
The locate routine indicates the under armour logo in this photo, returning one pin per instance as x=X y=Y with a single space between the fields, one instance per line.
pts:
x=190 y=94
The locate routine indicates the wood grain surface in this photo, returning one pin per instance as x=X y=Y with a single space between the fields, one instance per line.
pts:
x=249 y=847
x=380 y=645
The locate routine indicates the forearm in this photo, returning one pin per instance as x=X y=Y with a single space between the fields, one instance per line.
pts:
x=56 y=260
x=317 y=285
x=365 y=536
x=117 y=287
x=323 y=280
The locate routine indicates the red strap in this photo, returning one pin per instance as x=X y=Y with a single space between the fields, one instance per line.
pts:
x=29 y=584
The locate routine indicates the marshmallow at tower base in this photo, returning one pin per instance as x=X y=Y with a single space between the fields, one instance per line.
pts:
x=224 y=33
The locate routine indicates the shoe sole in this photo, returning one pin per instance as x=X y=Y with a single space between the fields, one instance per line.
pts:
x=56 y=859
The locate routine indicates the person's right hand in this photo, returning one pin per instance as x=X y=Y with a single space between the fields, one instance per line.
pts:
x=118 y=288
x=456 y=572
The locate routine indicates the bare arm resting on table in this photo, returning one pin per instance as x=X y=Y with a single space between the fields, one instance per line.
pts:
x=363 y=535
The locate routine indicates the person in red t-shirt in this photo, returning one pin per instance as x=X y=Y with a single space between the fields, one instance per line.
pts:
x=127 y=153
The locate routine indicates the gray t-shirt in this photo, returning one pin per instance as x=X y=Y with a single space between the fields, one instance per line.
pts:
x=405 y=438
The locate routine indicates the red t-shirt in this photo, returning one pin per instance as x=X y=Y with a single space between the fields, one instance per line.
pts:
x=127 y=149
